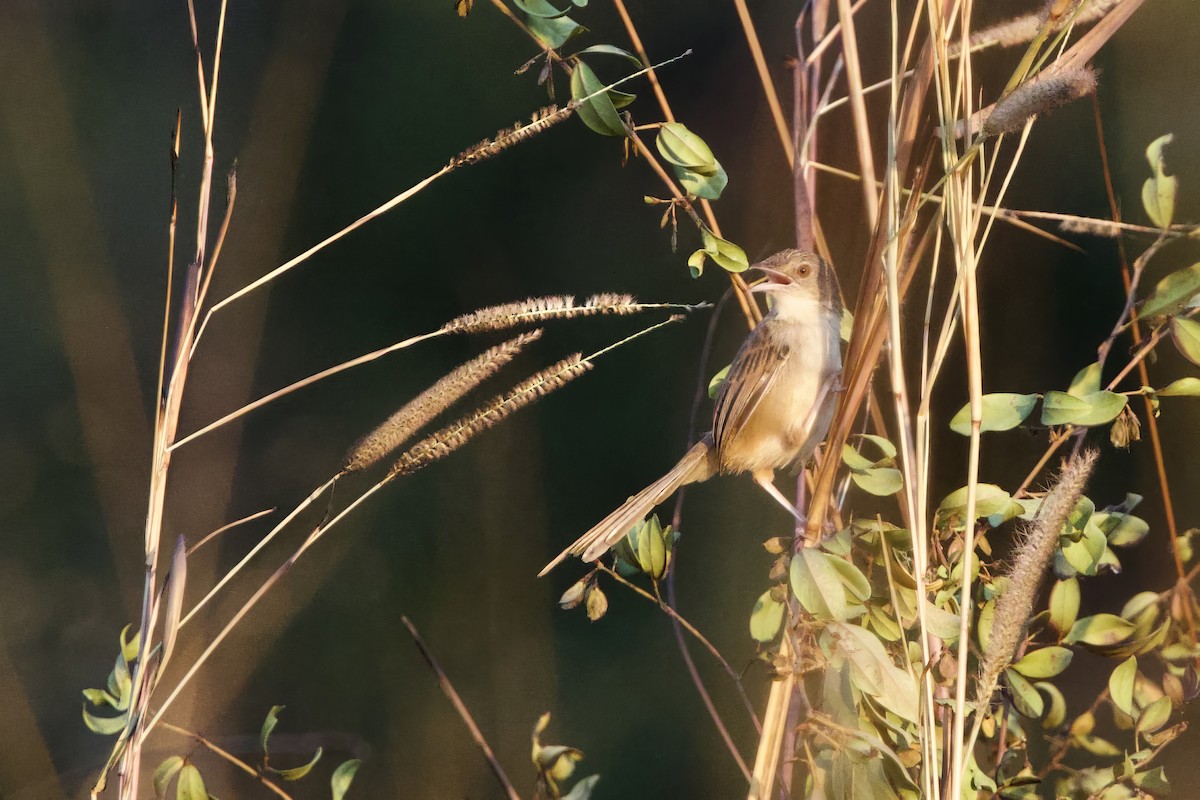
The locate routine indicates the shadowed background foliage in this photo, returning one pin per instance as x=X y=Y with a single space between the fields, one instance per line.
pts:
x=331 y=107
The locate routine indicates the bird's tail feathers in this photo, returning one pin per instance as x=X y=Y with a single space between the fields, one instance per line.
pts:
x=698 y=464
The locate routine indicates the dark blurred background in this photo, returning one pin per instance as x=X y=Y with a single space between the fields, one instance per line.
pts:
x=332 y=107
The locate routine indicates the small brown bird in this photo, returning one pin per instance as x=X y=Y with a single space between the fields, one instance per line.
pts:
x=775 y=405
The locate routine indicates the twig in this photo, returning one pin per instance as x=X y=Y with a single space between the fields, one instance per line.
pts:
x=456 y=701
x=230 y=757
x=677 y=617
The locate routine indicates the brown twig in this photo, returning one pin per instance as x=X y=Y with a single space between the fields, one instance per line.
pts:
x=456 y=701
x=675 y=615
x=230 y=757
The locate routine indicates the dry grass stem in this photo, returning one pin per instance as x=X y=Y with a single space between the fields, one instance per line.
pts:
x=445 y=441
x=421 y=410
x=448 y=689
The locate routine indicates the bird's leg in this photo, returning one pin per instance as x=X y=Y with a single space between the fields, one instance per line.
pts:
x=765 y=479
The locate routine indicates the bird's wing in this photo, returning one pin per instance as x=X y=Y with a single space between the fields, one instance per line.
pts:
x=751 y=375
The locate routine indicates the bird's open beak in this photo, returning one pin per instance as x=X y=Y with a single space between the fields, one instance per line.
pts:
x=775 y=280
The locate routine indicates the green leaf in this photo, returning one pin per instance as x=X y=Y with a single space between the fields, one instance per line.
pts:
x=682 y=148
x=1153 y=783
x=692 y=160
x=1056 y=713
x=1120 y=685
x=1044 y=663
x=539 y=8
x=105 y=726
x=1097 y=408
x=943 y=624
x=714 y=385
x=1001 y=412
x=343 y=776
x=1186 y=335
x=879 y=481
x=598 y=111
x=1083 y=556
x=1122 y=530
x=872 y=670
x=1184 y=387
x=1086 y=381
x=1064 y=604
x=767 y=618
x=708 y=187
x=1173 y=293
x=990 y=501
x=855 y=583
x=583 y=788
x=164 y=773
x=296 y=773
x=1026 y=698
x=609 y=50
x=554 y=33
x=130 y=647
x=1100 y=630
x=726 y=254
x=817 y=584
x=191 y=785
x=1155 y=715
x=268 y=726
x=1158 y=192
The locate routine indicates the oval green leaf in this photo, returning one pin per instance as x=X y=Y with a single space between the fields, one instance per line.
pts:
x=1173 y=293
x=1184 y=387
x=879 y=481
x=1002 y=411
x=164 y=773
x=597 y=111
x=682 y=148
x=1100 y=630
x=343 y=776
x=1158 y=192
x=1097 y=408
x=817 y=584
x=1026 y=698
x=1064 y=604
x=190 y=785
x=1120 y=685
x=1086 y=381
x=1155 y=715
x=1186 y=335
x=1044 y=663
x=296 y=773
x=766 y=619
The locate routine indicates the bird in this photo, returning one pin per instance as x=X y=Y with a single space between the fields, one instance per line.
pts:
x=774 y=406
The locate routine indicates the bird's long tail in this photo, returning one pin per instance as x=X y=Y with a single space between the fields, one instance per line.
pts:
x=699 y=464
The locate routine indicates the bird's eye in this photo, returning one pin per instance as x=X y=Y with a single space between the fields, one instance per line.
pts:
x=804 y=271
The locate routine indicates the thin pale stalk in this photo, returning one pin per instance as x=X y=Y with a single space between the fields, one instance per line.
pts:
x=764 y=77
x=236 y=568
x=353 y=226
x=463 y=712
x=226 y=527
x=858 y=108
x=766 y=759
x=640 y=49
x=212 y=747
x=302 y=383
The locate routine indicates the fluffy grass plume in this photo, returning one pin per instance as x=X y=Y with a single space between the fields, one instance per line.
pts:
x=1034 y=551
x=417 y=413
x=445 y=441
x=1038 y=96
x=536 y=309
